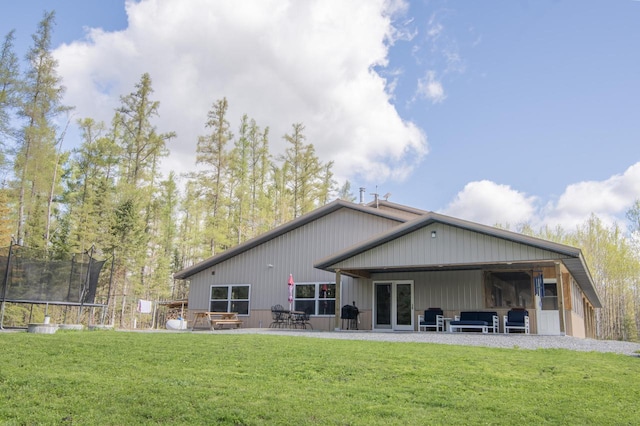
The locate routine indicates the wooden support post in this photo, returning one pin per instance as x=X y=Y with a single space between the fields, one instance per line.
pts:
x=338 y=298
x=560 y=290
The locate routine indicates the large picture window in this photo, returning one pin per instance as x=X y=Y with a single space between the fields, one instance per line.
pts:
x=230 y=298
x=315 y=298
x=508 y=289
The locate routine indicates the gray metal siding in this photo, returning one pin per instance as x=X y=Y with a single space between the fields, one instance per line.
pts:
x=452 y=245
x=293 y=252
x=449 y=290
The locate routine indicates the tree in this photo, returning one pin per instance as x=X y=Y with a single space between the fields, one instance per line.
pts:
x=344 y=193
x=9 y=82
x=327 y=184
x=35 y=164
x=211 y=153
x=633 y=214
x=89 y=191
x=239 y=173
x=304 y=173
x=142 y=147
x=261 y=215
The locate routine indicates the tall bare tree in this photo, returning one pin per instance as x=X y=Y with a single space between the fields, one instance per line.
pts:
x=35 y=164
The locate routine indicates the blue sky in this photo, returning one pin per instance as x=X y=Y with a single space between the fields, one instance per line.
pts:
x=494 y=111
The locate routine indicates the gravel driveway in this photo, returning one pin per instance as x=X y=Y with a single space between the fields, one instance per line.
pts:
x=518 y=341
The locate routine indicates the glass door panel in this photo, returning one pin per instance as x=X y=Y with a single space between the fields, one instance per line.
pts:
x=383 y=305
x=393 y=305
x=403 y=304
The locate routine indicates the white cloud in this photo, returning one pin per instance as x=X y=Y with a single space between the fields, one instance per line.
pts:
x=434 y=27
x=490 y=203
x=608 y=199
x=431 y=88
x=279 y=62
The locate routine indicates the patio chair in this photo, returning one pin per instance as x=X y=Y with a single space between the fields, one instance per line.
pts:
x=301 y=319
x=278 y=316
x=516 y=319
x=432 y=318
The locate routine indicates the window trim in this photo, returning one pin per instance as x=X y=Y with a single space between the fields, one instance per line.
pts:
x=229 y=299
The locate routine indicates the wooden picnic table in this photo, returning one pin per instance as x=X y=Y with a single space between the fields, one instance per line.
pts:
x=217 y=319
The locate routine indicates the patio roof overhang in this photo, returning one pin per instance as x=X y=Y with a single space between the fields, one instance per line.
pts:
x=358 y=261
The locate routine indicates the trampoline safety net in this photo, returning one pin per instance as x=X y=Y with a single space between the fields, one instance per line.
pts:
x=29 y=275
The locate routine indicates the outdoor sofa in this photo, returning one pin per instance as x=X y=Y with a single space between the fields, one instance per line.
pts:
x=484 y=321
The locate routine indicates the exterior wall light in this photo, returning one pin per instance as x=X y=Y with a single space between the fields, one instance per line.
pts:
x=433 y=234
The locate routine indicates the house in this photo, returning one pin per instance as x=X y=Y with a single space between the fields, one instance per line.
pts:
x=394 y=262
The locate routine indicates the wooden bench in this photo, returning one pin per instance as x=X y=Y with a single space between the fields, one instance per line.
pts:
x=217 y=319
x=218 y=323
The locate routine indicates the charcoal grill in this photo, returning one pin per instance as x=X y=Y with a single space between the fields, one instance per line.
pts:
x=349 y=315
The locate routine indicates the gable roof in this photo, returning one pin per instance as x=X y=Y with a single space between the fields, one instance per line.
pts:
x=283 y=229
x=572 y=257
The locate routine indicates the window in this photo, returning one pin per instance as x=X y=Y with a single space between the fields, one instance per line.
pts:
x=508 y=289
x=230 y=298
x=315 y=298
x=577 y=305
x=550 y=295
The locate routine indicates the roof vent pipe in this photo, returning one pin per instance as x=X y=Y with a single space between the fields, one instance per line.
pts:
x=362 y=190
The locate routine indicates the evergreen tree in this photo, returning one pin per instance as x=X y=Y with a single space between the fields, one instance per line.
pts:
x=261 y=211
x=239 y=174
x=212 y=155
x=344 y=193
x=35 y=164
x=90 y=190
x=141 y=148
x=9 y=82
x=327 y=184
x=308 y=181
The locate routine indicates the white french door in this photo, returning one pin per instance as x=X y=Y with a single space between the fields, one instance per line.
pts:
x=393 y=305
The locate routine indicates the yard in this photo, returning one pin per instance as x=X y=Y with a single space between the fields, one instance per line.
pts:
x=108 y=377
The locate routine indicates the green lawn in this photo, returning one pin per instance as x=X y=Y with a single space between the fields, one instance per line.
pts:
x=122 y=378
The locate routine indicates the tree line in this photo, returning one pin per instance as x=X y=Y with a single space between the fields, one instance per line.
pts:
x=613 y=258
x=108 y=196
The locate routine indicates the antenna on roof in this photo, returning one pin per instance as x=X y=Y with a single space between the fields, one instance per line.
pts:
x=375 y=196
x=386 y=196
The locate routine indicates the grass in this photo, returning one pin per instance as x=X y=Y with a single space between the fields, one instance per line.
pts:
x=122 y=378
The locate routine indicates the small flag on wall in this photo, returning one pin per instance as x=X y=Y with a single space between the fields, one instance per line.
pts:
x=539 y=285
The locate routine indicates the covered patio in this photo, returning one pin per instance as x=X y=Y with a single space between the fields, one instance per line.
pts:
x=455 y=265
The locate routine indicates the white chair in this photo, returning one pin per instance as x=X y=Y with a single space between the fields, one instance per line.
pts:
x=432 y=318
x=516 y=319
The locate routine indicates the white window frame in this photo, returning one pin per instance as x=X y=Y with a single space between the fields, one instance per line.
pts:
x=316 y=298
x=229 y=299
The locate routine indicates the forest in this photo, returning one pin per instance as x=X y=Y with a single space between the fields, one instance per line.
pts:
x=108 y=197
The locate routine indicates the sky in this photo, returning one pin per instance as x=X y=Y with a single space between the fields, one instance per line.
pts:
x=497 y=111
